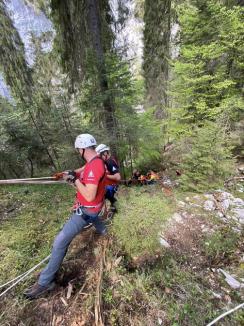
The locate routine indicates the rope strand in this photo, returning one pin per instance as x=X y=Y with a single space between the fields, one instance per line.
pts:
x=21 y=277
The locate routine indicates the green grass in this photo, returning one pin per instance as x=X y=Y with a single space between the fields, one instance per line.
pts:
x=165 y=288
x=178 y=290
x=27 y=232
x=221 y=242
x=142 y=214
x=168 y=288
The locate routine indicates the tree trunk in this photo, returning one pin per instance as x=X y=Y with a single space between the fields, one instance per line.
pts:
x=31 y=167
x=94 y=23
x=157 y=18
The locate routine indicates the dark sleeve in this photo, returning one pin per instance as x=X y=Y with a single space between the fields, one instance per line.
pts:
x=112 y=166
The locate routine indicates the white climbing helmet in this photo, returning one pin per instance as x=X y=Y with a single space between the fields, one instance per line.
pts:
x=84 y=141
x=102 y=148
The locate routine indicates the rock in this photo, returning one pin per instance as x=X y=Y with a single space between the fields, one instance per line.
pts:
x=233 y=283
x=219 y=214
x=184 y=214
x=194 y=205
x=241 y=220
x=239 y=214
x=164 y=243
x=209 y=205
x=181 y=203
x=204 y=228
x=217 y=295
x=209 y=196
x=236 y=230
x=197 y=199
x=177 y=217
x=221 y=195
x=241 y=169
x=225 y=204
x=238 y=202
x=167 y=182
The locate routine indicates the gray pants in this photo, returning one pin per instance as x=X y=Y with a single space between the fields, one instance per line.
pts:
x=61 y=243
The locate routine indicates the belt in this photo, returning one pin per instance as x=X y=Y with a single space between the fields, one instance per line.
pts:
x=79 y=208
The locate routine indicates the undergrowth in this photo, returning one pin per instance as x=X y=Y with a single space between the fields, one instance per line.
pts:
x=142 y=215
x=178 y=286
x=33 y=216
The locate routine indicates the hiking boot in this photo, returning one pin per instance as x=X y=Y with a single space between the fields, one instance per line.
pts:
x=38 y=290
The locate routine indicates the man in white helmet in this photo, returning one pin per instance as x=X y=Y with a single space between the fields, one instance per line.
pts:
x=90 y=185
x=113 y=175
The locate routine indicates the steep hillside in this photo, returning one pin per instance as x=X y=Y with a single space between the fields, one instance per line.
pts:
x=159 y=264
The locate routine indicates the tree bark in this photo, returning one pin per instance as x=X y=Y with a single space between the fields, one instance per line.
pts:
x=94 y=23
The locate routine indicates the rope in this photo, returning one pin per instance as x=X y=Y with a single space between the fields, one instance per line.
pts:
x=225 y=314
x=21 y=277
x=16 y=278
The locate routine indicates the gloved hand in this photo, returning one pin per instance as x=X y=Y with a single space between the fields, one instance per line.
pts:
x=69 y=176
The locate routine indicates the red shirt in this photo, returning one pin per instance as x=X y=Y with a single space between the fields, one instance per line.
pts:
x=94 y=173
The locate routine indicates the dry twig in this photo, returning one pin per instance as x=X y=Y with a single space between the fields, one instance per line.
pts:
x=98 y=310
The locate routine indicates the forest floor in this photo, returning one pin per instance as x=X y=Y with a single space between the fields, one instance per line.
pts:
x=158 y=265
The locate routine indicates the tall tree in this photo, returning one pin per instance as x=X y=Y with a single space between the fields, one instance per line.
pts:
x=157 y=16
x=86 y=38
x=12 y=57
x=18 y=74
x=209 y=69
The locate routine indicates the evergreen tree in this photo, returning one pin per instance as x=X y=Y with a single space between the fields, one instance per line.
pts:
x=207 y=158
x=209 y=71
x=86 y=38
x=157 y=17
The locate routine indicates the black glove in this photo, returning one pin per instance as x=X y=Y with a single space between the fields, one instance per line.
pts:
x=70 y=176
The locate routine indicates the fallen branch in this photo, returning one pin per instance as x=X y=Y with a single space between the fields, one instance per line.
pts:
x=225 y=314
x=98 y=312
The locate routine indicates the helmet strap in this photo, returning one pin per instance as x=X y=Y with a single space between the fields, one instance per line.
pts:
x=83 y=153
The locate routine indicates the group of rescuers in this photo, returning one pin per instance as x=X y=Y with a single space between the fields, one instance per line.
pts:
x=95 y=181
